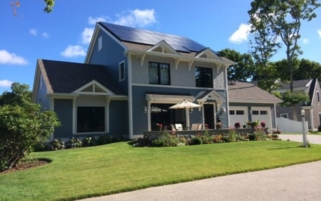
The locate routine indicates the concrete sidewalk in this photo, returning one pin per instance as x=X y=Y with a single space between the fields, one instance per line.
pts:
x=297 y=182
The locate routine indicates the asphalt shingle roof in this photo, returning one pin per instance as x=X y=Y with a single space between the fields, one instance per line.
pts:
x=249 y=92
x=66 y=77
x=296 y=84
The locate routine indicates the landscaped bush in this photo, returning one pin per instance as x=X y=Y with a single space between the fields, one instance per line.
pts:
x=103 y=139
x=166 y=140
x=88 y=141
x=74 y=143
x=140 y=142
x=196 y=140
x=217 y=138
x=57 y=144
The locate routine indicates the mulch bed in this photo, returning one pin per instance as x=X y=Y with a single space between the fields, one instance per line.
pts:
x=26 y=165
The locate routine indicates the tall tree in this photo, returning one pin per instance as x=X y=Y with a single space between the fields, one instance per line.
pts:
x=281 y=21
x=243 y=67
x=307 y=69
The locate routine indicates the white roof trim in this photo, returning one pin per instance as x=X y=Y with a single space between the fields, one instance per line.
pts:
x=94 y=83
x=165 y=48
x=209 y=54
x=214 y=96
x=180 y=57
x=164 y=98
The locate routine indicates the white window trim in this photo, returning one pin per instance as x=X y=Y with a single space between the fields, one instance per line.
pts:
x=119 y=70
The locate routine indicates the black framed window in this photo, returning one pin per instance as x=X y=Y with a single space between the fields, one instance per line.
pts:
x=159 y=73
x=203 y=77
x=90 y=119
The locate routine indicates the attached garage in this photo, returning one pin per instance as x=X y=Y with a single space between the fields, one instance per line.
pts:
x=248 y=102
x=262 y=114
x=238 y=114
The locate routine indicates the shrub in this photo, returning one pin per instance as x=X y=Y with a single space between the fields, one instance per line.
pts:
x=232 y=135
x=103 y=139
x=141 y=142
x=217 y=138
x=74 y=143
x=166 y=140
x=57 y=144
x=237 y=125
x=88 y=141
x=196 y=140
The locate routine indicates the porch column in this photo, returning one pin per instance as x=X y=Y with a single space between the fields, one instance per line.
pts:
x=107 y=115
x=187 y=117
x=149 y=115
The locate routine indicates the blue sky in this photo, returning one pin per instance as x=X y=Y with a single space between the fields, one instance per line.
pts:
x=65 y=33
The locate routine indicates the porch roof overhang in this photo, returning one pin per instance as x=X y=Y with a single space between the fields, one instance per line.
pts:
x=210 y=95
x=168 y=98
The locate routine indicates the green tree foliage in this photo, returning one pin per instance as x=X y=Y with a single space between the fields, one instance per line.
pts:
x=22 y=125
x=48 y=9
x=307 y=69
x=291 y=99
x=275 y=21
x=243 y=68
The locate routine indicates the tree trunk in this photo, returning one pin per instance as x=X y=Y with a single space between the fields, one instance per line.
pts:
x=295 y=118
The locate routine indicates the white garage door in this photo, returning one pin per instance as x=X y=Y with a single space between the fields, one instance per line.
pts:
x=238 y=114
x=262 y=114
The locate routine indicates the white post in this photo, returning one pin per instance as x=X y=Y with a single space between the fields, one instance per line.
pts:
x=303 y=128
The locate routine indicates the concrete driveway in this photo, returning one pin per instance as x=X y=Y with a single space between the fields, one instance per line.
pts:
x=297 y=182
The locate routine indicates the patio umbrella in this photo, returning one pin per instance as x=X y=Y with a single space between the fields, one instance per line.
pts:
x=185 y=105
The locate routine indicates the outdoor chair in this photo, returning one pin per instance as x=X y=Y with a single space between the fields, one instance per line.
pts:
x=194 y=127
x=179 y=127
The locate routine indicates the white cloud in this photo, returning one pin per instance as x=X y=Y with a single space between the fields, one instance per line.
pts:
x=11 y=58
x=45 y=35
x=136 y=18
x=93 y=21
x=73 y=51
x=86 y=35
x=319 y=32
x=305 y=41
x=241 y=34
x=33 y=32
x=5 y=83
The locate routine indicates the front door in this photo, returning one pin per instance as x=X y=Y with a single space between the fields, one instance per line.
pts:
x=209 y=115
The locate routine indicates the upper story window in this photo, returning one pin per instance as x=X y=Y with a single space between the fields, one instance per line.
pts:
x=203 y=77
x=122 y=71
x=318 y=96
x=159 y=73
x=100 y=43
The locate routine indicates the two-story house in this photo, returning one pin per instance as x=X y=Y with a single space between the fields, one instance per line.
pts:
x=312 y=108
x=129 y=80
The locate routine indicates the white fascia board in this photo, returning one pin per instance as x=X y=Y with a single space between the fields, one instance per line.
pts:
x=94 y=82
x=180 y=57
x=118 y=97
x=36 y=83
x=61 y=95
x=163 y=44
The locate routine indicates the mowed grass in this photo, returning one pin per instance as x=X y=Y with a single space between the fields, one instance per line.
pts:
x=113 y=168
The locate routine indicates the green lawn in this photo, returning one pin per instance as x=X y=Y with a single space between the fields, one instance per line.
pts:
x=101 y=170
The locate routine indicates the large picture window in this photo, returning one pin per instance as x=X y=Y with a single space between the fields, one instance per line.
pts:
x=159 y=73
x=203 y=77
x=90 y=119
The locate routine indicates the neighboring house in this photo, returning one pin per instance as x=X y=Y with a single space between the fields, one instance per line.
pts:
x=129 y=80
x=312 y=108
x=248 y=103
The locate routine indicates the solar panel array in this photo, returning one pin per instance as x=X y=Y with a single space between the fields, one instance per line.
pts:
x=130 y=34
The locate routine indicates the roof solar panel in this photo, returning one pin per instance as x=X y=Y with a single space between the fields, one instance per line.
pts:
x=134 y=35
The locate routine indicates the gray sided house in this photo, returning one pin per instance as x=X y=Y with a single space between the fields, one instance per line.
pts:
x=248 y=103
x=129 y=80
x=312 y=108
